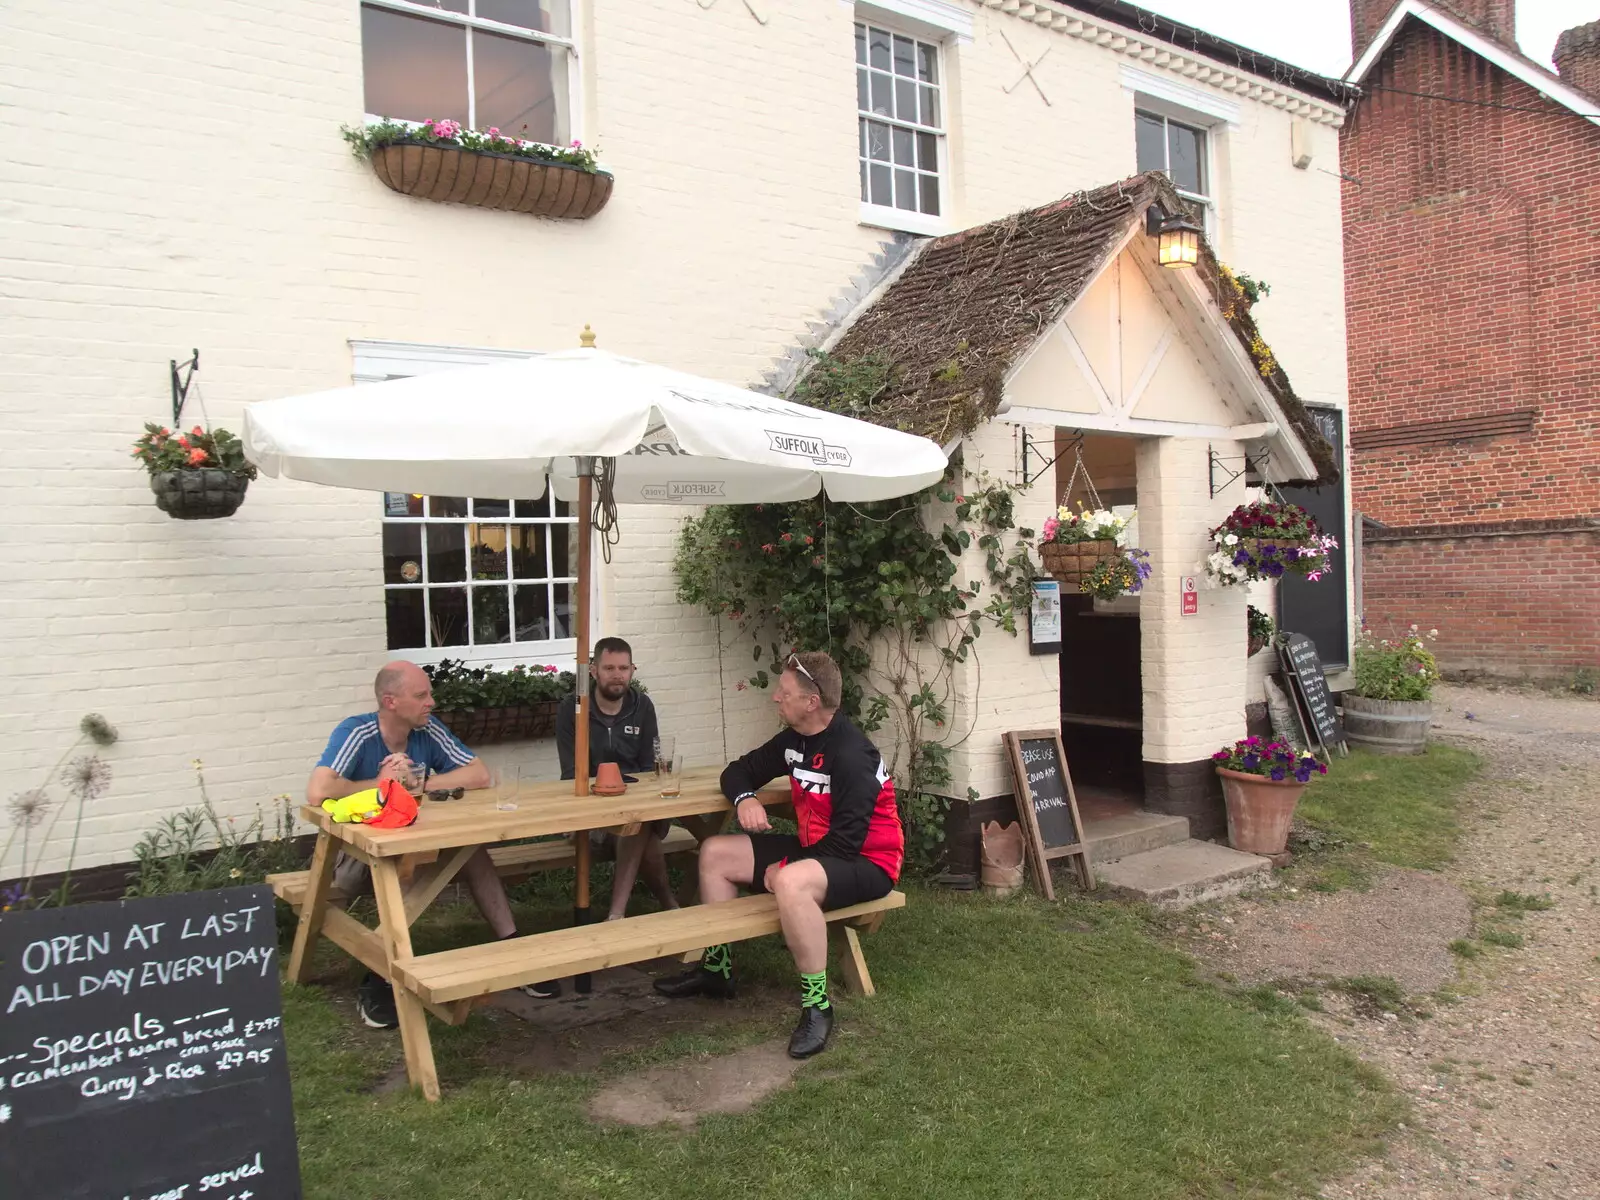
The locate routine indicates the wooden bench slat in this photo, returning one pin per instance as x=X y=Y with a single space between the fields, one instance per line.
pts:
x=534 y=958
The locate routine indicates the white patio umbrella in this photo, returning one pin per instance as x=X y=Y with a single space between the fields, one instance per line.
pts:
x=508 y=428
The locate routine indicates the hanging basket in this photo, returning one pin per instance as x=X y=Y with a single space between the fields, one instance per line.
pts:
x=198 y=493
x=1072 y=562
x=485 y=179
x=514 y=723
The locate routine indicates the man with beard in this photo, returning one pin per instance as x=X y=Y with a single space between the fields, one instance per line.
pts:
x=622 y=729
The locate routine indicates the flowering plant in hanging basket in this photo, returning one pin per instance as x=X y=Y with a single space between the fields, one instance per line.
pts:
x=197 y=475
x=440 y=160
x=1075 y=543
x=1261 y=630
x=1266 y=540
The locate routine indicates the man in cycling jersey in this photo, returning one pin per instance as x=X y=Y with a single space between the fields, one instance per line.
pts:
x=849 y=848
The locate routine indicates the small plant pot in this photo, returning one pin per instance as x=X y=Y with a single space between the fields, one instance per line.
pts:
x=1260 y=811
x=1387 y=726
x=1071 y=562
x=198 y=493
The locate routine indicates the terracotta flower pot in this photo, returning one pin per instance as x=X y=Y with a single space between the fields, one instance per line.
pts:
x=1260 y=811
x=485 y=179
x=198 y=493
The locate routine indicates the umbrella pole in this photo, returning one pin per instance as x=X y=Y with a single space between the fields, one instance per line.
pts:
x=580 y=774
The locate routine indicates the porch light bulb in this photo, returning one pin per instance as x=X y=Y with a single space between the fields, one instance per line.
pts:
x=1180 y=242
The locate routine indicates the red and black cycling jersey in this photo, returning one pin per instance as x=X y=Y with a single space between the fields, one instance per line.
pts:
x=843 y=793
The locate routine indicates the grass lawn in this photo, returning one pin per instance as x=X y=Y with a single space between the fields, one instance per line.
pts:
x=1372 y=809
x=1014 y=1049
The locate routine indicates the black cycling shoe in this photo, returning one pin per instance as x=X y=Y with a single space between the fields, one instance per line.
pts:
x=375 y=1003
x=811 y=1035
x=697 y=981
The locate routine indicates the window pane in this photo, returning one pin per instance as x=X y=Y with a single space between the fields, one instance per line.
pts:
x=533 y=612
x=402 y=554
x=527 y=552
x=930 y=194
x=563 y=509
x=863 y=92
x=903 y=56
x=447 y=553
x=488 y=551
x=447 y=506
x=861 y=43
x=539 y=506
x=882 y=185
x=447 y=616
x=560 y=537
x=491 y=616
x=903 y=151
x=905 y=190
x=905 y=99
x=1187 y=147
x=490 y=509
x=927 y=152
x=563 y=610
x=1150 y=142
x=401 y=504
x=413 y=69
x=547 y=16
x=927 y=63
x=930 y=107
x=882 y=95
x=878 y=141
x=517 y=84
x=403 y=613
x=878 y=48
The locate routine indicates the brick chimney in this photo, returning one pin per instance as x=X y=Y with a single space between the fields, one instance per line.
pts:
x=1578 y=57
x=1497 y=18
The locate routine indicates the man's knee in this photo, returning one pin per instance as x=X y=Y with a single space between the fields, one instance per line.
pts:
x=802 y=880
x=726 y=855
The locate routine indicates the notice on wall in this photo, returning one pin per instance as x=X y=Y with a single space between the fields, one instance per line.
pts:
x=1191 y=596
x=1044 y=628
x=142 y=1051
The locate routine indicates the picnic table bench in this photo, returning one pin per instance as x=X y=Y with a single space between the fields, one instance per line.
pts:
x=447 y=834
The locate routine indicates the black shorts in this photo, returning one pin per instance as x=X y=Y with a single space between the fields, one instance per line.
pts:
x=850 y=880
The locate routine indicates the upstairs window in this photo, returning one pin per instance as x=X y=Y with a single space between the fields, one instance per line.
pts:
x=901 y=110
x=1184 y=153
x=506 y=64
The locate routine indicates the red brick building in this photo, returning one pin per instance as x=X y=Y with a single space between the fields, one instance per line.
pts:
x=1472 y=260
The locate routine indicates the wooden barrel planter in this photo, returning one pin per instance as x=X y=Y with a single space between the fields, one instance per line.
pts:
x=1071 y=562
x=514 y=723
x=199 y=493
x=1387 y=726
x=485 y=179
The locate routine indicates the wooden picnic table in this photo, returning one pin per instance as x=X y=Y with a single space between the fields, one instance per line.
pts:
x=450 y=832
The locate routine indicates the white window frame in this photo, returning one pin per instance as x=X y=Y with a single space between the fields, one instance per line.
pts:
x=1208 y=134
x=1197 y=108
x=376 y=361
x=469 y=22
x=922 y=29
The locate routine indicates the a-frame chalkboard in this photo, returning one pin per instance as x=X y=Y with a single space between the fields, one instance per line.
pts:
x=1308 y=687
x=1047 y=804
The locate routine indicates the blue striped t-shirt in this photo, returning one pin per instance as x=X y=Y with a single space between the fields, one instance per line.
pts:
x=356 y=749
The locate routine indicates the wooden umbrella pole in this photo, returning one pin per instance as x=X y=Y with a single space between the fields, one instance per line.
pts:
x=580 y=758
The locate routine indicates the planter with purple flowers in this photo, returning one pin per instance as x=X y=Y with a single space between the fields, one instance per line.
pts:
x=1261 y=784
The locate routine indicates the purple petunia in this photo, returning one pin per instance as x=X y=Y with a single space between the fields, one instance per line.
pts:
x=1277 y=774
x=1251 y=761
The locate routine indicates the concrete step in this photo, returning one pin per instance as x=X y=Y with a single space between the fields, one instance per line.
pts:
x=1118 y=836
x=1185 y=873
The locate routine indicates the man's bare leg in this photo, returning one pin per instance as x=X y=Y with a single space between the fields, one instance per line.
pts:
x=630 y=852
x=801 y=888
x=726 y=861
x=483 y=881
x=654 y=871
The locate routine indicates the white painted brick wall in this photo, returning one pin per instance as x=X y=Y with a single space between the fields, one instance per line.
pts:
x=176 y=179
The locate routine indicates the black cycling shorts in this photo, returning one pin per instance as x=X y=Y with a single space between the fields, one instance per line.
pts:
x=850 y=880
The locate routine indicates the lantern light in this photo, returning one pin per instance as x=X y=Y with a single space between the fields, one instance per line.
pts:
x=1180 y=241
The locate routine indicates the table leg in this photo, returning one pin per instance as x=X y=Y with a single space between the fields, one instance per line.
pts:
x=582 y=984
x=313 y=904
x=394 y=929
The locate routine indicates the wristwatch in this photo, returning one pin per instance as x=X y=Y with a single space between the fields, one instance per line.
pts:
x=742 y=797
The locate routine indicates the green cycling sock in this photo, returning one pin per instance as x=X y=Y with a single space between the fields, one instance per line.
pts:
x=814 y=990
x=718 y=960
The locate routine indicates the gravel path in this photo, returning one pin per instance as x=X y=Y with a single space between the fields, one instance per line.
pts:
x=1506 y=1080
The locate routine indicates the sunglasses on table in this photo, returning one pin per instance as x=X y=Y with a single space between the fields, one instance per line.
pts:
x=446 y=793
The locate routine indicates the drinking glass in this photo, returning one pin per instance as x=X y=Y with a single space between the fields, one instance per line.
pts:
x=669 y=766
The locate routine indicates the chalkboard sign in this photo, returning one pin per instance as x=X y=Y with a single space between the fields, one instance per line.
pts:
x=1047 y=804
x=142 y=1051
x=1303 y=670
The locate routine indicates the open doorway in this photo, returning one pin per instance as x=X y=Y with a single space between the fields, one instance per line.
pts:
x=1102 y=727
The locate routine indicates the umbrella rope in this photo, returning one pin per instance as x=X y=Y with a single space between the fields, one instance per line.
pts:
x=605 y=505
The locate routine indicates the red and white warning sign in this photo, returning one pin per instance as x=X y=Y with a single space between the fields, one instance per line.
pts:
x=1191 y=596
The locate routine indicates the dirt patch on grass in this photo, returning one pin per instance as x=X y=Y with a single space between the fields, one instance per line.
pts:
x=681 y=1094
x=1401 y=928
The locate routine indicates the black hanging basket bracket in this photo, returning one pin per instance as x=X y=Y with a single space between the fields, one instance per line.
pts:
x=182 y=377
x=1250 y=462
x=1031 y=453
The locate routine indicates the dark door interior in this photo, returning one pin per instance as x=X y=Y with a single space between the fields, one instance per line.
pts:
x=1319 y=610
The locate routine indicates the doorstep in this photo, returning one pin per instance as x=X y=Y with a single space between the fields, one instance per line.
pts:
x=1184 y=873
